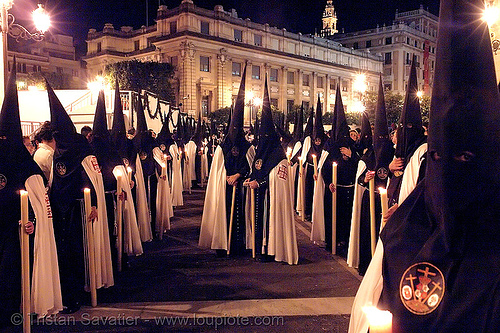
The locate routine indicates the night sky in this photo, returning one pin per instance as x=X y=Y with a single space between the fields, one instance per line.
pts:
x=75 y=17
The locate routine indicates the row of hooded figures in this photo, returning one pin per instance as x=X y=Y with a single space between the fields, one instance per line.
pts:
x=436 y=265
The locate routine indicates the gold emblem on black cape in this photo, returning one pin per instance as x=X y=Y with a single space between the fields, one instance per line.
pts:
x=235 y=151
x=422 y=288
x=61 y=168
x=382 y=173
x=3 y=181
x=143 y=155
x=258 y=164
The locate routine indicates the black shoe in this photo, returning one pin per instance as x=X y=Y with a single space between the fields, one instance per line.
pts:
x=221 y=253
x=71 y=308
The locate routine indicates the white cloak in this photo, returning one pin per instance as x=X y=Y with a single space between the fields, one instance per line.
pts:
x=103 y=263
x=176 y=186
x=46 y=296
x=189 y=162
x=131 y=237
x=353 y=252
x=213 y=230
x=164 y=209
x=142 y=208
x=318 y=210
x=301 y=185
x=282 y=242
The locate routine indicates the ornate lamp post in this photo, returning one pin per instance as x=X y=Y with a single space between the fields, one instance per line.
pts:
x=17 y=31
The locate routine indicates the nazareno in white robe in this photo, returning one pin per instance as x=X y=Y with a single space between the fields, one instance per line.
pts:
x=371 y=286
x=131 y=237
x=46 y=296
x=318 y=210
x=353 y=252
x=141 y=205
x=164 y=209
x=282 y=242
x=103 y=264
x=189 y=167
x=213 y=230
x=176 y=177
x=301 y=184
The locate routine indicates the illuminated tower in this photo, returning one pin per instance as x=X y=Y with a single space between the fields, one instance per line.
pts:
x=329 y=20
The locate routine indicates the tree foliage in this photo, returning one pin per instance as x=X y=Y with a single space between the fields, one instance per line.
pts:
x=136 y=75
x=56 y=80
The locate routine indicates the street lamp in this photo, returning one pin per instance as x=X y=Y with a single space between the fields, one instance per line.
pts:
x=17 y=31
x=360 y=86
x=252 y=102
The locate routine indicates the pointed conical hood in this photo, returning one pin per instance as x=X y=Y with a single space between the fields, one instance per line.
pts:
x=100 y=126
x=318 y=129
x=164 y=138
x=102 y=147
x=309 y=126
x=299 y=124
x=64 y=129
x=118 y=129
x=382 y=144
x=143 y=141
x=198 y=133
x=366 y=139
x=123 y=146
x=142 y=125
x=16 y=165
x=410 y=131
x=269 y=151
x=464 y=126
x=10 y=123
x=236 y=124
x=448 y=227
x=341 y=128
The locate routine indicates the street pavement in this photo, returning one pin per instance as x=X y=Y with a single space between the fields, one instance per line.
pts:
x=176 y=286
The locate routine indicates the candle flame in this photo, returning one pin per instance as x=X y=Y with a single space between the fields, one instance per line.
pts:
x=23 y=192
x=129 y=169
x=86 y=190
x=334 y=164
x=377 y=317
x=382 y=190
x=313 y=156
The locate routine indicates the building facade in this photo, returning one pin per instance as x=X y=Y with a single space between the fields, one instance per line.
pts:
x=54 y=57
x=209 y=49
x=413 y=33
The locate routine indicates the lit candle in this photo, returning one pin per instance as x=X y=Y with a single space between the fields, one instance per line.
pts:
x=129 y=173
x=379 y=321
x=119 y=220
x=25 y=263
x=371 y=187
x=289 y=154
x=315 y=163
x=87 y=201
x=334 y=209
x=90 y=245
x=301 y=183
x=384 y=202
x=163 y=170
